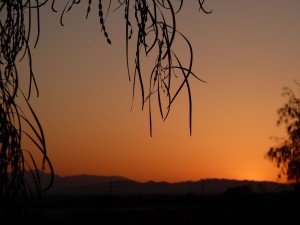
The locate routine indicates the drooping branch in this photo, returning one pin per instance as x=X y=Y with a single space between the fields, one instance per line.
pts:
x=155 y=32
x=15 y=32
x=157 y=36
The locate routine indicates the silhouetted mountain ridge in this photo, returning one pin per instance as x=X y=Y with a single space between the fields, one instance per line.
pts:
x=118 y=185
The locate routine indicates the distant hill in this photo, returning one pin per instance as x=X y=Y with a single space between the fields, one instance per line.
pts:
x=117 y=185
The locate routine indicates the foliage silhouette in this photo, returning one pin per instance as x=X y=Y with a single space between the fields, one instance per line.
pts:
x=155 y=35
x=15 y=125
x=286 y=154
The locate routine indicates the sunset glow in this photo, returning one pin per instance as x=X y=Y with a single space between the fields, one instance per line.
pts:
x=246 y=51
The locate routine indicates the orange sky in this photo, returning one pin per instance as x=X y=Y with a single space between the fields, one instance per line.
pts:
x=245 y=50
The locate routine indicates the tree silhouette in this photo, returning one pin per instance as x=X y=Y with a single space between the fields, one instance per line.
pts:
x=152 y=34
x=286 y=154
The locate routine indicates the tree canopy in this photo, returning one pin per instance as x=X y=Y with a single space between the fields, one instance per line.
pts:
x=286 y=154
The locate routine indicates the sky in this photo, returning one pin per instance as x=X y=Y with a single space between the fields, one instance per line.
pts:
x=246 y=51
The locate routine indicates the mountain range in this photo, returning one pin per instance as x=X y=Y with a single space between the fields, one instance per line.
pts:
x=117 y=185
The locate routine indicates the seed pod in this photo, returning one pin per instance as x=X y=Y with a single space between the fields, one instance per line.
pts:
x=102 y=22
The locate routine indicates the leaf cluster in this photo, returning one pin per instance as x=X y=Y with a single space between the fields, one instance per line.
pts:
x=287 y=154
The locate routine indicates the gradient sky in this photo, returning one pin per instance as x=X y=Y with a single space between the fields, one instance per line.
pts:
x=245 y=50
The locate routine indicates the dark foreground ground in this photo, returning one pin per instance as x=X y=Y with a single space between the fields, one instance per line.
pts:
x=189 y=209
